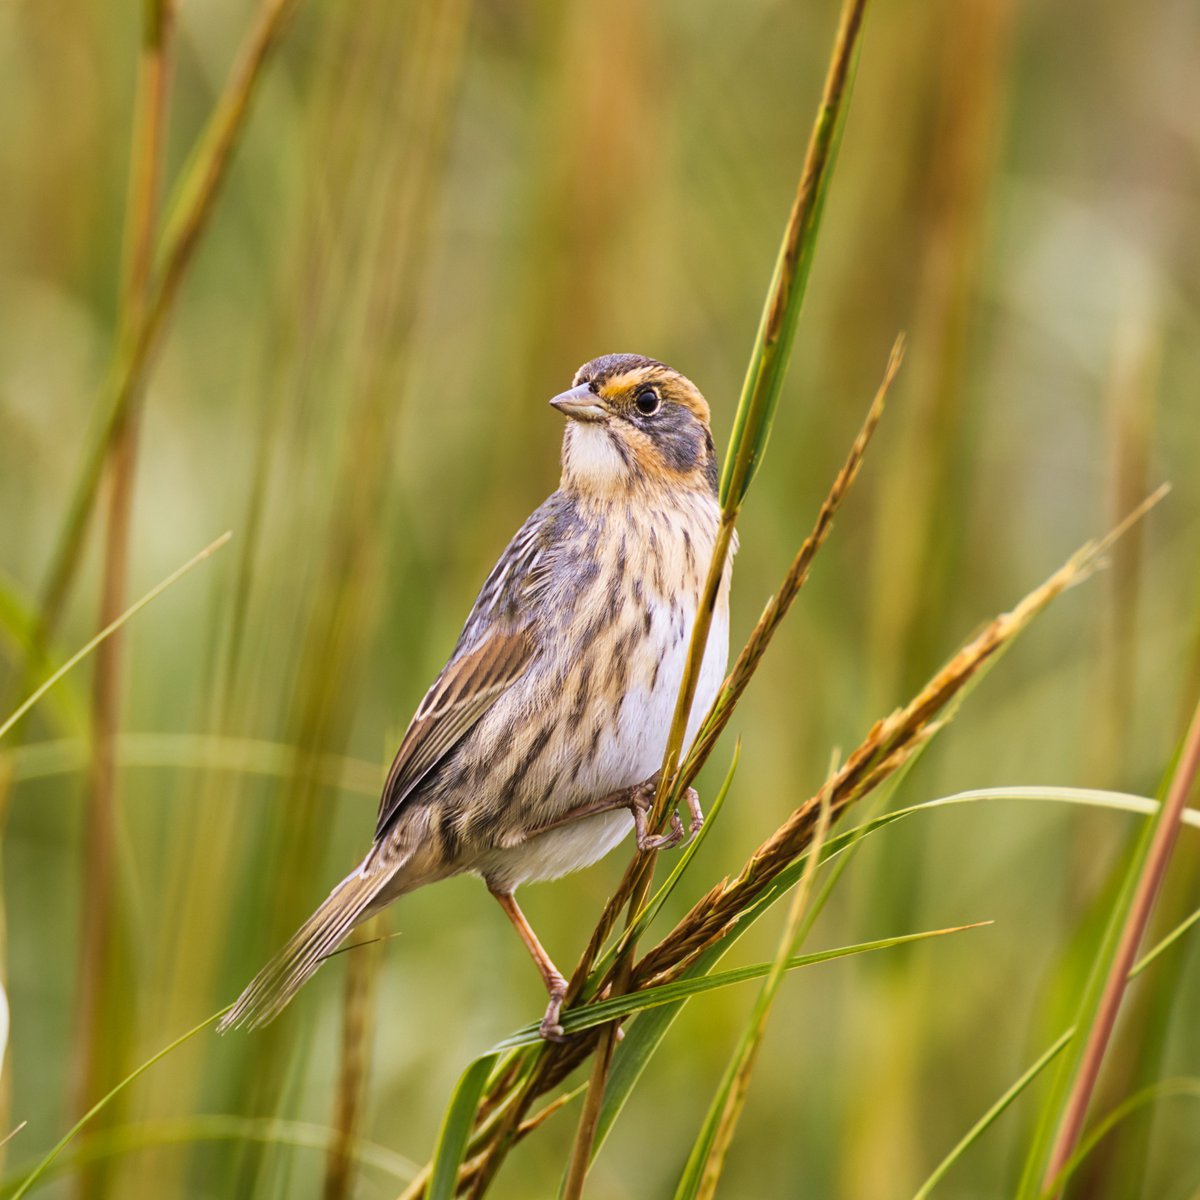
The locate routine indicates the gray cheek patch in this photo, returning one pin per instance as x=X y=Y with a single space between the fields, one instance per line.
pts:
x=679 y=437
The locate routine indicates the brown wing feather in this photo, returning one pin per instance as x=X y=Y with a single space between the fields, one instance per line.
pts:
x=465 y=690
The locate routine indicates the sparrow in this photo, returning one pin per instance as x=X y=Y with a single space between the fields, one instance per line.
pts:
x=535 y=751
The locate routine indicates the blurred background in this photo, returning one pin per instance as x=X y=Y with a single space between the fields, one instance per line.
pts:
x=435 y=214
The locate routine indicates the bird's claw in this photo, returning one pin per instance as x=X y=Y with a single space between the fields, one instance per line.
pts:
x=551 y=1029
x=675 y=835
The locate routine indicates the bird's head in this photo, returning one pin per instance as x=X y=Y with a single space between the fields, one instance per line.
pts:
x=635 y=423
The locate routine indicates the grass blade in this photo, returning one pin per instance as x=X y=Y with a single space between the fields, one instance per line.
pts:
x=111 y=628
x=104 y=1100
x=707 y=1158
x=985 y=1122
x=614 y=1007
x=990 y=1117
x=455 y=1133
x=186 y=1131
x=1140 y=1099
x=1101 y=1001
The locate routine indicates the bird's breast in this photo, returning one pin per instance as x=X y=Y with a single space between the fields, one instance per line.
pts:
x=631 y=636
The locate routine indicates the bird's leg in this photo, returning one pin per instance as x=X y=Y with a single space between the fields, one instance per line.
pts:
x=553 y=978
x=639 y=799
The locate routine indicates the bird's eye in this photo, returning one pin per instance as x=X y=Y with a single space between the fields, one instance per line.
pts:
x=647 y=401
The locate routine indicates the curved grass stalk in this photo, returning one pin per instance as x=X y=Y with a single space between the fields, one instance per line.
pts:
x=197 y=752
x=149 y=1135
x=45 y=1164
x=751 y=430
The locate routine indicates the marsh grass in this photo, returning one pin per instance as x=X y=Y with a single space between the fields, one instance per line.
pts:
x=388 y=232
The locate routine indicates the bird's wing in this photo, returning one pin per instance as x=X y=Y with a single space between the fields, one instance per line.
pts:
x=468 y=686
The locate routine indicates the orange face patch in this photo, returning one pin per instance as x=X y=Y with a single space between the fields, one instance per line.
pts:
x=673 y=387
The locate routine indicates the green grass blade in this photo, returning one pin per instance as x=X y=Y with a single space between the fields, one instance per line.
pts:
x=665 y=1002
x=706 y=1160
x=984 y=1123
x=625 y=1005
x=104 y=1100
x=1162 y=1090
x=646 y=1033
x=642 y=1039
x=992 y=1115
x=110 y=629
x=777 y=325
x=455 y=1133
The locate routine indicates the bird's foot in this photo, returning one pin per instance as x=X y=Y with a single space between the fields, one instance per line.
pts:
x=551 y=1029
x=642 y=801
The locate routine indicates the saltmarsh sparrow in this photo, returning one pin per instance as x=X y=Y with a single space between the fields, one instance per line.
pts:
x=533 y=753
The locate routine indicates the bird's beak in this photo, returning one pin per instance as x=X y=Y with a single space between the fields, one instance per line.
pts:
x=580 y=404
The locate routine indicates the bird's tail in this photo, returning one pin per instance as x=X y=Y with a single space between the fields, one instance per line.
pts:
x=272 y=988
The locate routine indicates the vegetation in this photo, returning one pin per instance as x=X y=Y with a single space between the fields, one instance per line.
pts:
x=358 y=251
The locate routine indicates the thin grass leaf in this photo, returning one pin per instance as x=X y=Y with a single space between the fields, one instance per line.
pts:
x=198 y=752
x=457 y=1124
x=44 y=1165
x=752 y=424
x=769 y=358
x=1051 y=1053
x=1164 y=1089
x=993 y=1114
x=777 y=326
x=111 y=628
x=17 y=623
x=647 y=1032
x=1066 y=1108
x=666 y=1002
x=147 y=1135
x=703 y=1168
x=610 y=1009
x=12 y=1133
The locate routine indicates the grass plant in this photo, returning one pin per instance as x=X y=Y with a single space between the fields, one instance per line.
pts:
x=347 y=268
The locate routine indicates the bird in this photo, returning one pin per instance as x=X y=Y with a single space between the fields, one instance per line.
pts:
x=535 y=751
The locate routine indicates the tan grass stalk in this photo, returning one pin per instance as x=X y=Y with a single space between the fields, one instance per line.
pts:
x=186 y=222
x=353 y=1068
x=752 y=425
x=98 y=1047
